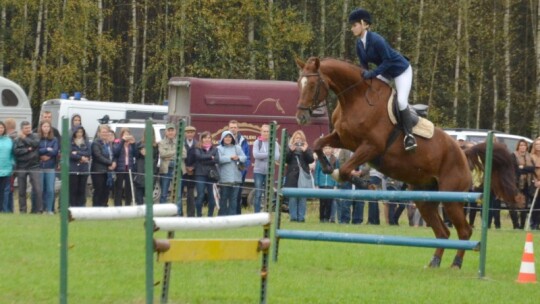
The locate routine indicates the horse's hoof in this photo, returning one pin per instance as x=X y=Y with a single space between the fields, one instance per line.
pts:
x=456 y=264
x=435 y=262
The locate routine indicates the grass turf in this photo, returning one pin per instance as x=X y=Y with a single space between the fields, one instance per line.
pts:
x=106 y=265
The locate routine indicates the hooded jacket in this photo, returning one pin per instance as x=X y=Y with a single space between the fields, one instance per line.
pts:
x=228 y=168
x=77 y=152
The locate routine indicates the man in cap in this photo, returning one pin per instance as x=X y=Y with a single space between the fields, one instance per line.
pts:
x=167 y=155
x=188 y=178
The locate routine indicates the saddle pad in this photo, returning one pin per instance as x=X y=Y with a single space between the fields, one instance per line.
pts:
x=423 y=128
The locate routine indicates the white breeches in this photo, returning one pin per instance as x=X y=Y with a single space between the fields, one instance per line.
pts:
x=403 y=87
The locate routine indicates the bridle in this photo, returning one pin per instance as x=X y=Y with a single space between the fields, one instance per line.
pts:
x=316 y=102
x=319 y=103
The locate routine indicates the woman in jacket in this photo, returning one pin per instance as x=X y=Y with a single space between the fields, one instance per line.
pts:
x=261 y=151
x=206 y=159
x=525 y=168
x=48 y=151
x=231 y=156
x=102 y=164
x=139 y=175
x=298 y=157
x=124 y=153
x=6 y=165
x=79 y=167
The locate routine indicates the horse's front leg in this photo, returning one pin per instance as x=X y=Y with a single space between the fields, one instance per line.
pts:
x=331 y=140
x=362 y=155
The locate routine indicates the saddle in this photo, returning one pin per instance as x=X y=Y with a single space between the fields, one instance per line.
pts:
x=422 y=126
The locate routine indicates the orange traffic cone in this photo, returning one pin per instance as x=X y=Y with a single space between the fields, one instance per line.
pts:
x=526 y=271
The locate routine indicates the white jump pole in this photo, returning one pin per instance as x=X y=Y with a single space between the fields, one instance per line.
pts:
x=119 y=213
x=211 y=223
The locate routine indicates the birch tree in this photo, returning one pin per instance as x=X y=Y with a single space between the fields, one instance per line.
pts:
x=507 y=66
x=457 y=66
x=35 y=56
x=133 y=51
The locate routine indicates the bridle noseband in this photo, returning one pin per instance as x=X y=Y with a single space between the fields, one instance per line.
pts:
x=316 y=102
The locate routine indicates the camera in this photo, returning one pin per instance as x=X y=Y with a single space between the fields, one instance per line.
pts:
x=299 y=144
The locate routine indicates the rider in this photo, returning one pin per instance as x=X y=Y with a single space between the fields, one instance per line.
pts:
x=371 y=47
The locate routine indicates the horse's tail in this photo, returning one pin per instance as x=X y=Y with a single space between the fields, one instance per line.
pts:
x=503 y=180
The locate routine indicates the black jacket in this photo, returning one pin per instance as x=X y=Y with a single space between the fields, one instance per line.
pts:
x=204 y=161
x=305 y=158
x=26 y=152
x=101 y=157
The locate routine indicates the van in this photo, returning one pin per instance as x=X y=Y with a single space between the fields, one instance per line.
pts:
x=95 y=112
x=15 y=103
x=209 y=105
x=137 y=129
x=480 y=135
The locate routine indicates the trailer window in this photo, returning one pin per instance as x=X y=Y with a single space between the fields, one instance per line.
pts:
x=9 y=99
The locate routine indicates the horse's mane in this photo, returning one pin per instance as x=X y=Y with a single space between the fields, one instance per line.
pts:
x=329 y=64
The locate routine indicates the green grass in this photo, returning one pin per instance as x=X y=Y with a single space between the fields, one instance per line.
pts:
x=106 y=265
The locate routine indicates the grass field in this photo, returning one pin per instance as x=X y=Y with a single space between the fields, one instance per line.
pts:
x=106 y=265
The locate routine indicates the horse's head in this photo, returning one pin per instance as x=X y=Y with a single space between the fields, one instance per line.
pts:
x=313 y=89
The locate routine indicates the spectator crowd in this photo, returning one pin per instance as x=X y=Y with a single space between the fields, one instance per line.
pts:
x=213 y=174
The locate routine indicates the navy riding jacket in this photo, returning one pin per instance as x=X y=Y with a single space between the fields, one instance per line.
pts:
x=390 y=63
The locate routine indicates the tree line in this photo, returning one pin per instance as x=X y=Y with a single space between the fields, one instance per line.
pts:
x=476 y=62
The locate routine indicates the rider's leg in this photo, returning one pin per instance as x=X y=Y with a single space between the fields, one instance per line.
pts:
x=403 y=88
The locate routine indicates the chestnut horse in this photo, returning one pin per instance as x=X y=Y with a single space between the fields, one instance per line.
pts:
x=362 y=125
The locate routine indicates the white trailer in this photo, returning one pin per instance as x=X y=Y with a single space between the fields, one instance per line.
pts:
x=93 y=111
x=14 y=102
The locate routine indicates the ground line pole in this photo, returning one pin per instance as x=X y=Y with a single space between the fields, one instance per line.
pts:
x=64 y=202
x=485 y=206
x=148 y=197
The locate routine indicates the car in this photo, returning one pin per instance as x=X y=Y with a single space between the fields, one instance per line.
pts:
x=480 y=135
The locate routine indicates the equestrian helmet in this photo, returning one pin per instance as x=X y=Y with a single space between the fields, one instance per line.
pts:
x=359 y=14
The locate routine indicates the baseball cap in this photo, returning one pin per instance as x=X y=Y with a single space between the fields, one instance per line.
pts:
x=191 y=128
x=170 y=126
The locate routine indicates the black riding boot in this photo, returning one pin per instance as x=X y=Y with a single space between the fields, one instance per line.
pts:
x=409 y=141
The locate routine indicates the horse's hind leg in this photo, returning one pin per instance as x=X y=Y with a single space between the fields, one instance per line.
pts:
x=464 y=231
x=430 y=214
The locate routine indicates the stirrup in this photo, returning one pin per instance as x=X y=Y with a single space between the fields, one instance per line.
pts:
x=409 y=142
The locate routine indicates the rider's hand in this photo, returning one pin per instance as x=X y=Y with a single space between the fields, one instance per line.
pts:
x=368 y=74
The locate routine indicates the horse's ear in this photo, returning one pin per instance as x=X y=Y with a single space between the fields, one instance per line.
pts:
x=317 y=63
x=299 y=63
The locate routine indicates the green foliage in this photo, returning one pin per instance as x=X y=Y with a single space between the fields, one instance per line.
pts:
x=211 y=38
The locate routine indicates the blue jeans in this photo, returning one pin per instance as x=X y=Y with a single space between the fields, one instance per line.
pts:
x=373 y=207
x=345 y=207
x=165 y=183
x=8 y=197
x=47 y=180
x=228 y=199
x=260 y=183
x=202 y=183
x=4 y=201
x=297 y=208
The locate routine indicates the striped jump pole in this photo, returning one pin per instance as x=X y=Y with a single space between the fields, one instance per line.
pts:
x=377 y=195
x=119 y=213
x=182 y=250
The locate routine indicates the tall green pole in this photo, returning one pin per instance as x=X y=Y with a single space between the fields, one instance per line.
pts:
x=485 y=206
x=148 y=197
x=64 y=201
x=279 y=197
